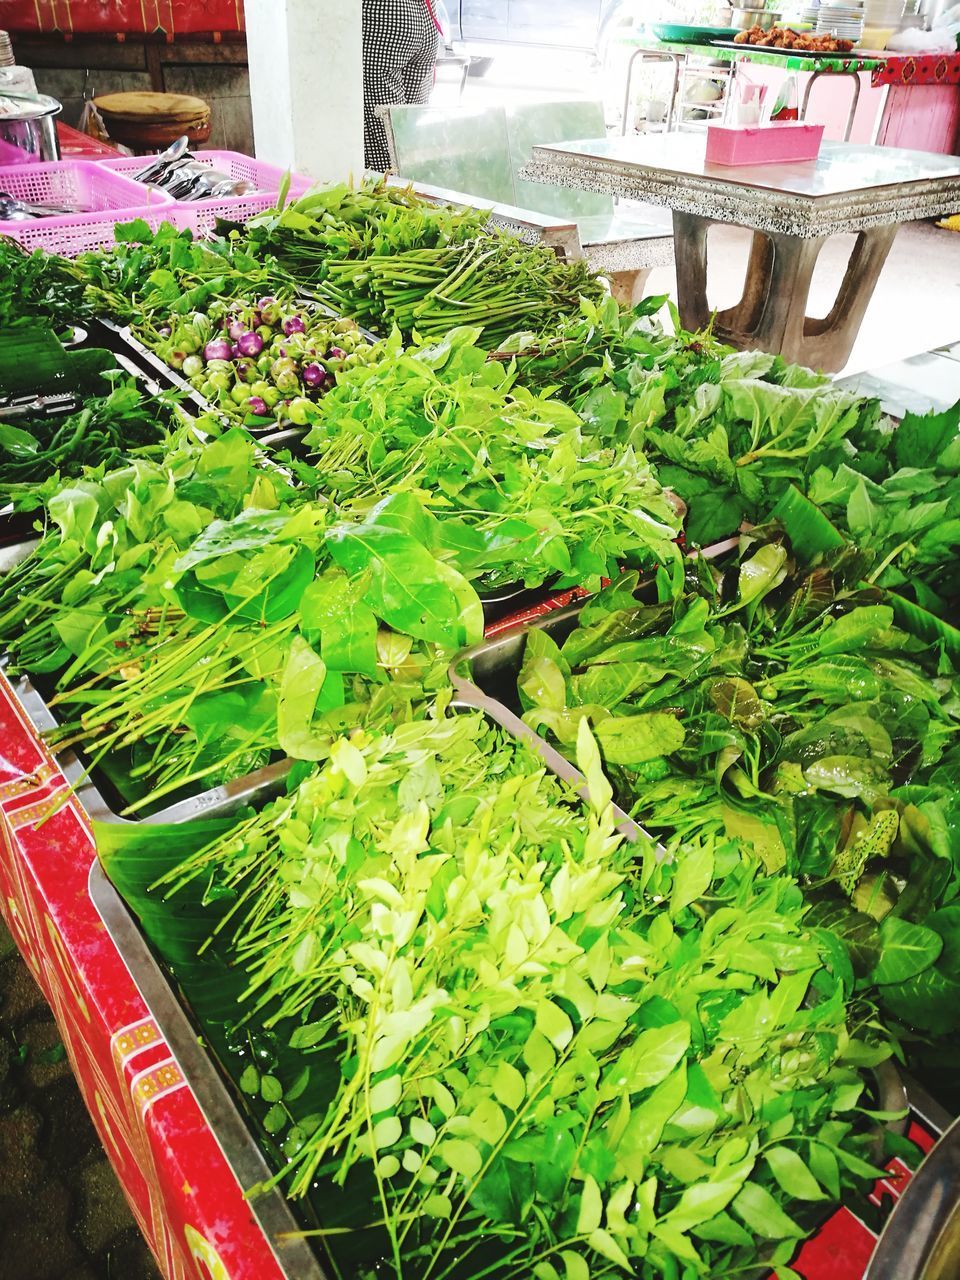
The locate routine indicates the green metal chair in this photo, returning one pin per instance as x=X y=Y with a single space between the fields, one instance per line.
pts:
x=481 y=151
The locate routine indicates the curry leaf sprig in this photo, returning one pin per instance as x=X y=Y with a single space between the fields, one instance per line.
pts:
x=549 y=1062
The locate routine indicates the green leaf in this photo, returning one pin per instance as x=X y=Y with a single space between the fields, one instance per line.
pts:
x=693 y=875
x=652 y=1056
x=271 y=1089
x=333 y=615
x=591 y=766
x=908 y=949
x=387 y=1132
x=792 y=1174
x=632 y=740
x=590 y=1213
x=406 y=586
x=462 y=1157
x=704 y=1200
x=604 y=1243
x=574 y=1265
x=300 y=688
x=758 y=1209
x=647 y=1121
x=250 y=1080
x=386 y=1094
x=851 y=632
x=422 y=1131
x=552 y=1022
x=437 y=1206
x=508 y=1086
x=275 y=1119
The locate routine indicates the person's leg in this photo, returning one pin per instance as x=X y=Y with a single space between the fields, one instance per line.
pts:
x=418 y=73
x=386 y=49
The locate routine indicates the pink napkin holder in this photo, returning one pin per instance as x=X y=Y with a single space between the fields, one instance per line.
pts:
x=763 y=143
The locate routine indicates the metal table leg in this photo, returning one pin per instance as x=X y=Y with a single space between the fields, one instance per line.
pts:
x=855 y=75
x=649 y=55
x=772 y=314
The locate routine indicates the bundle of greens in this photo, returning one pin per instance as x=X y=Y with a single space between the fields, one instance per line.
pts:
x=37 y=286
x=37 y=452
x=897 y=494
x=727 y=431
x=343 y=221
x=145 y=274
x=516 y=1053
x=783 y=708
x=495 y=282
x=519 y=489
x=201 y=619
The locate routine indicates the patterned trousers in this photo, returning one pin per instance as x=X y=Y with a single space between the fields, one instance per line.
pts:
x=399 y=56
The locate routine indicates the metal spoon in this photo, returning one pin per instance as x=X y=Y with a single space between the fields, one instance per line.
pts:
x=159 y=163
x=13 y=205
x=10 y=212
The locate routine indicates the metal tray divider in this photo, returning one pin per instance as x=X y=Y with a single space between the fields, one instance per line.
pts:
x=469 y=694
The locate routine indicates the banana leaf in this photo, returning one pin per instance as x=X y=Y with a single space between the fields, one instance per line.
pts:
x=925 y=625
x=32 y=359
x=134 y=856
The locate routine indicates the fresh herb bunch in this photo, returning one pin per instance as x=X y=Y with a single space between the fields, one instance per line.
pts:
x=344 y=221
x=153 y=274
x=38 y=286
x=194 y=642
x=897 y=494
x=37 y=452
x=387 y=257
x=727 y=431
x=495 y=282
x=520 y=1046
x=783 y=708
x=519 y=488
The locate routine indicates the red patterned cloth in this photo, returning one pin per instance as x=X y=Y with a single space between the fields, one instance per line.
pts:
x=184 y=1196
x=122 y=17
x=921 y=68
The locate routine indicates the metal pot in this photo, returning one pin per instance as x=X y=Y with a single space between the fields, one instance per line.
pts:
x=744 y=19
x=30 y=128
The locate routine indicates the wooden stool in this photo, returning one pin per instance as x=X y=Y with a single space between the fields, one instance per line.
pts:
x=148 y=122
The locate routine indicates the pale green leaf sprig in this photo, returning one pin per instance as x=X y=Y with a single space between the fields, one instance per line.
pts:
x=553 y=1050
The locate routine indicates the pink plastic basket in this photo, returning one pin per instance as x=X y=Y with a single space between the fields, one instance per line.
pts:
x=266 y=179
x=108 y=198
x=91 y=231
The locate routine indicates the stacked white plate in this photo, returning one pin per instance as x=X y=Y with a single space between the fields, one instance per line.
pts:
x=842 y=20
x=882 y=13
x=810 y=14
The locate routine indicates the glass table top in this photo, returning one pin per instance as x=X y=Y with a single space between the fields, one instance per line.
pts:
x=841 y=168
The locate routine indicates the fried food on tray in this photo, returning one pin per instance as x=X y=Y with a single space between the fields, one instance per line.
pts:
x=786 y=38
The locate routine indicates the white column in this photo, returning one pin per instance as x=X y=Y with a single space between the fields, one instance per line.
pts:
x=306 y=85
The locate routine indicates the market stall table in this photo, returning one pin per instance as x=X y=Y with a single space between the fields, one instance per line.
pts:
x=850 y=66
x=792 y=209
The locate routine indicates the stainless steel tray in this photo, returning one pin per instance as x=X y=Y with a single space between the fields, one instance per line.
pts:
x=295 y=1256
x=89 y=784
x=921 y=1238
